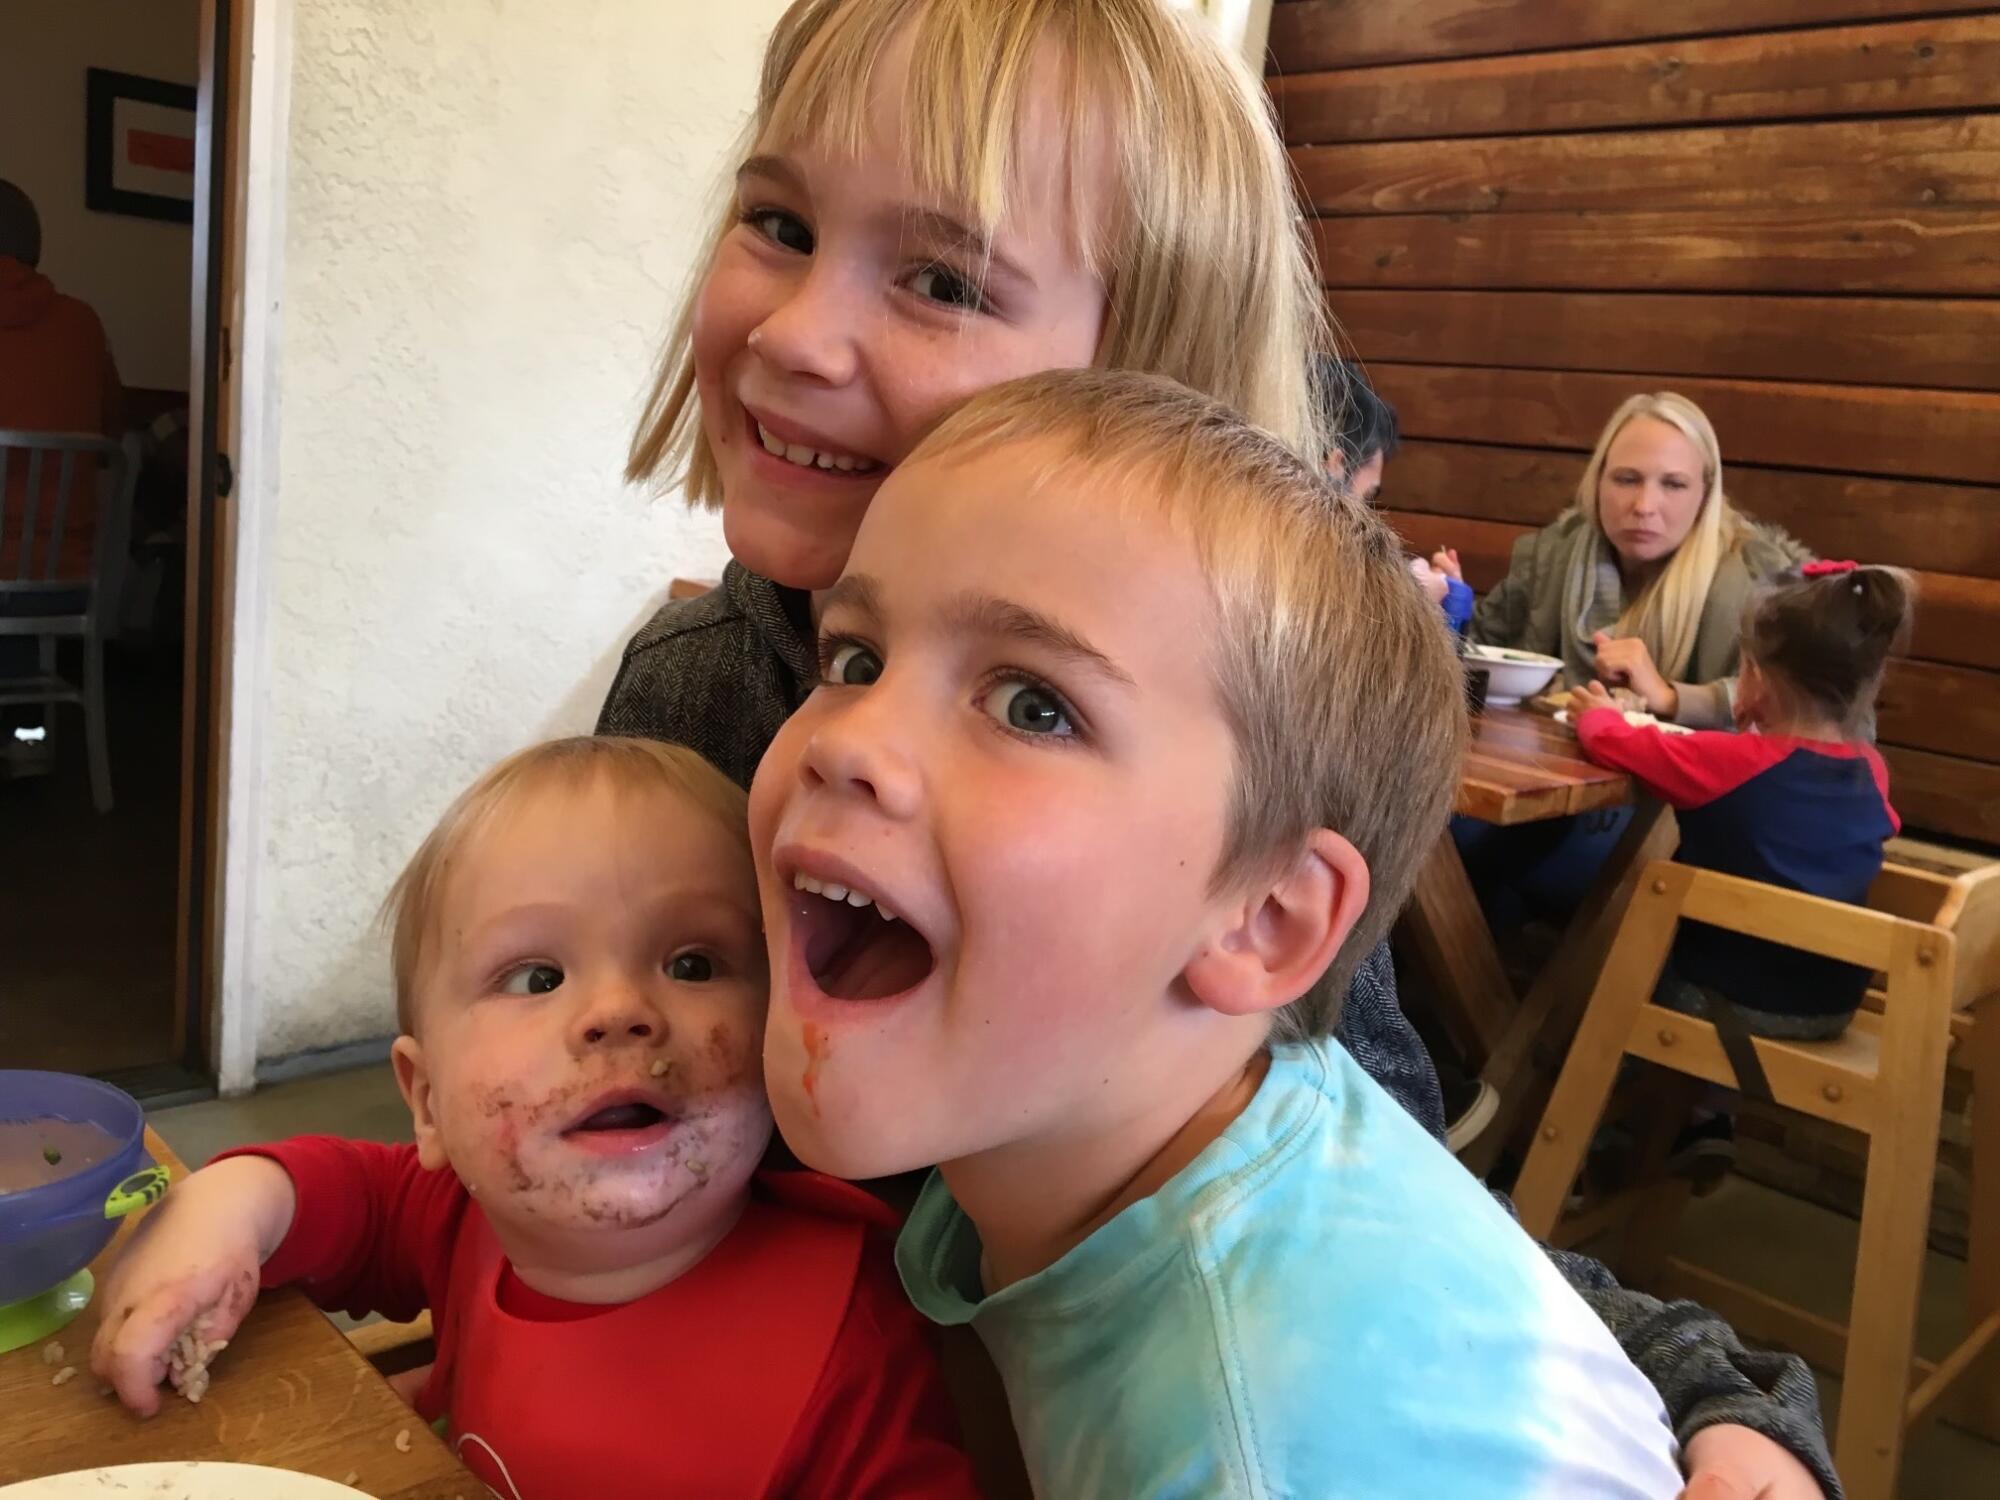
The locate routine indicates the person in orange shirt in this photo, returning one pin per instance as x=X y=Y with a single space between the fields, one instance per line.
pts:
x=56 y=369
x=56 y=375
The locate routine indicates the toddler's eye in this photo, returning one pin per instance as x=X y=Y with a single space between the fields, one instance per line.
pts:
x=1029 y=708
x=692 y=968
x=853 y=665
x=531 y=979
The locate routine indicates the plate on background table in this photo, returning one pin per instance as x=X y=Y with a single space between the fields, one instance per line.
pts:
x=180 y=1481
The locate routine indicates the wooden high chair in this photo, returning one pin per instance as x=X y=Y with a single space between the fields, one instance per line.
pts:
x=1884 y=1077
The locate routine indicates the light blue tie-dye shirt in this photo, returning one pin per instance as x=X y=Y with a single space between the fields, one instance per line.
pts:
x=1323 y=1303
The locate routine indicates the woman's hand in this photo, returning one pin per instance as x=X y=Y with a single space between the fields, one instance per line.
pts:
x=1727 y=1462
x=1445 y=561
x=1624 y=660
x=191 y=1267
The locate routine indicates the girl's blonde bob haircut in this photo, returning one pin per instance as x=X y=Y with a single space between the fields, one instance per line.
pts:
x=1666 y=614
x=631 y=765
x=1207 y=276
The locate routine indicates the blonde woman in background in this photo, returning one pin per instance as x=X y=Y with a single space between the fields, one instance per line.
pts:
x=1643 y=581
x=1640 y=584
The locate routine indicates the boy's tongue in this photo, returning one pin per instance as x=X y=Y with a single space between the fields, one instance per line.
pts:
x=873 y=959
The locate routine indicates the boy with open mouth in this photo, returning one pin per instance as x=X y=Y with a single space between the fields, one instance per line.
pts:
x=1130 y=739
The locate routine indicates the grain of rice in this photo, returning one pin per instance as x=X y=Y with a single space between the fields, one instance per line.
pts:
x=52 y=1353
x=63 y=1376
x=187 y=1364
x=353 y=1475
x=403 y=1441
x=659 y=1068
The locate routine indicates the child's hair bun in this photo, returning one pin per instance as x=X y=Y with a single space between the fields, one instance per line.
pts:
x=1883 y=600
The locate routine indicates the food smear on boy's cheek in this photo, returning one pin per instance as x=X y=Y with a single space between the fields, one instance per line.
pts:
x=817 y=1048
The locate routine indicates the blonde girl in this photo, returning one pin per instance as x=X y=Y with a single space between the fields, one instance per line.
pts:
x=935 y=196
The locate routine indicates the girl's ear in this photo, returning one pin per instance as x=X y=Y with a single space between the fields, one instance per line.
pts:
x=1276 y=942
x=414 y=1079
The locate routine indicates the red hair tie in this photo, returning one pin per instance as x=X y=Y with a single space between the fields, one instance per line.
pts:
x=1826 y=569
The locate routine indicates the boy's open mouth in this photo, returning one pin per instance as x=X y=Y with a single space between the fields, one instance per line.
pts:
x=855 y=948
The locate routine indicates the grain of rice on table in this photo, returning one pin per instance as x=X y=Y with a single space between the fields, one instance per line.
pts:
x=187 y=1363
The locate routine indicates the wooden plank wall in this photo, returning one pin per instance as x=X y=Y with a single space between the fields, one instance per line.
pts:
x=1788 y=210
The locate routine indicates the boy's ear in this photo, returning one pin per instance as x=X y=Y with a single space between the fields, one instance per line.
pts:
x=414 y=1079
x=1282 y=936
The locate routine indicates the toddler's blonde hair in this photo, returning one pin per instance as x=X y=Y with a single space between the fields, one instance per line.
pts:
x=1335 y=673
x=1207 y=273
x=410 y=911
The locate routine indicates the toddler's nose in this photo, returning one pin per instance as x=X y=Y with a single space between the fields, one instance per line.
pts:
x=617 y=1016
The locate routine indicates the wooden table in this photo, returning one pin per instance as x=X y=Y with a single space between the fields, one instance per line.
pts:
x=290 y=1392
x=1522 y=768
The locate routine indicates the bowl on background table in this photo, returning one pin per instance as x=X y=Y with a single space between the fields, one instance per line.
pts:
x=1512 y=675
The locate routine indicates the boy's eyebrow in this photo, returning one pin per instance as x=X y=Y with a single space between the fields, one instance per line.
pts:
x=855 y=591
x=983 y=614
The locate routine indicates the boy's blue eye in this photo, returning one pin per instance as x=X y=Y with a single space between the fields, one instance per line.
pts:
x=692 y=968
x=942 y=285
x=1029 y=708
x=781 y=228
x=853 y=665
x=531 y=979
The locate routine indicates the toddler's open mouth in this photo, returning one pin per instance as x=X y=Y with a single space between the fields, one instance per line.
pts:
x=854 y=945
x=621 y=1121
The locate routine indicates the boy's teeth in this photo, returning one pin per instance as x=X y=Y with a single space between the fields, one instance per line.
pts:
x=887 y=915
x=833 y=892
x=857 y=898
x=836 y=892
x=805 y=883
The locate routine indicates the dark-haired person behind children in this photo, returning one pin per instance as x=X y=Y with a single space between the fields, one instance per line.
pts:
x=1803 y=803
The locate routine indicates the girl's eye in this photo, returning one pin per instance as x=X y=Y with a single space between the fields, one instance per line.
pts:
x=850 y=664
x=781 y=228
x=531 y=979
x=942 y=285
x=1029 y=708
x=692 y=968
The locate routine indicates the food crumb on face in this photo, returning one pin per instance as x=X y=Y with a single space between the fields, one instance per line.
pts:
x=52 y=1352
x=63 y=1376
x=403 y=1441
x=661 y=1067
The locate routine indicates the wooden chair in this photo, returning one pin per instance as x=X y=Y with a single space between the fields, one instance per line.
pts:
x=1884 y=1078
x=41 y=595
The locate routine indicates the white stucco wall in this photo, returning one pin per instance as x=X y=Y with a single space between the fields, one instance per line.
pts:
x=133 y=271
x=489 y=210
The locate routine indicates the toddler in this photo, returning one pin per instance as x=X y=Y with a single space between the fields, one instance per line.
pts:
x=1801 y=802
x=1065 y=866
x=623 y=1303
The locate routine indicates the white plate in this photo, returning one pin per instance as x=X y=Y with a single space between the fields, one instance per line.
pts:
x=1636 y=719
x=182 y=1481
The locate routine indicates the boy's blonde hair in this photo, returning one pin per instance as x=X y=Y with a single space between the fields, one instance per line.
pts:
x=410 y=912
x=1208 y=276
x=1666 y=615
x=1335 y=672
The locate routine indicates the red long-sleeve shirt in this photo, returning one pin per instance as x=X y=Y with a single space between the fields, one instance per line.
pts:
x=787 y=1362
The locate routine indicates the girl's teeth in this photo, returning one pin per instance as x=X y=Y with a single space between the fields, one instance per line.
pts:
x=771 y=444
x=887 y=915
x=806 y=883
x=833 y=892
x=808 y=458
x=800 y=454
x=857 y=898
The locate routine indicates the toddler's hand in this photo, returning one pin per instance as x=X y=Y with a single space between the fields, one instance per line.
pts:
x=1445 y=561
x=1624 y=660
x=1593 y=695
x=191 y=1267
x=1434 y=584
x=1727 y=1462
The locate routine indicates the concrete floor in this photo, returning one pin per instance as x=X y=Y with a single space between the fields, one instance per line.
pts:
x=1744 y=1230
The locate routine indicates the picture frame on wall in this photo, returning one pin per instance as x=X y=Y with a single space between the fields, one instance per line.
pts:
x=139 y=138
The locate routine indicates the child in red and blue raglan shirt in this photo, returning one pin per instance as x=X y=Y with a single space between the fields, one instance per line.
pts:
x=1800 y=800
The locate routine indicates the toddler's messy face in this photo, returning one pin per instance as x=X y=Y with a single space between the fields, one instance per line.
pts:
x=590 y=1009
x=985 y=843
x=848 y=308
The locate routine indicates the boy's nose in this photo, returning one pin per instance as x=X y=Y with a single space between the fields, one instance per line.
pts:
x=853 y=749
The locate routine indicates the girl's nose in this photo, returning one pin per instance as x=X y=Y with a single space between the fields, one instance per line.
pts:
x=808 y=334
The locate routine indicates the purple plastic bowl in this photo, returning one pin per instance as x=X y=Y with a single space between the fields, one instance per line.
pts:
x=48 y=1233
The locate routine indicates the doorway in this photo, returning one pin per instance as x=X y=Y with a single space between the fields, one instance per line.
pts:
x=108 y=127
